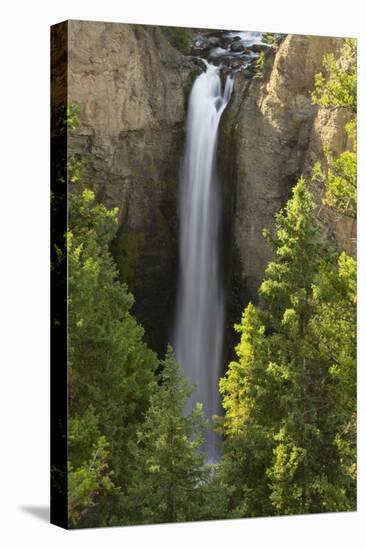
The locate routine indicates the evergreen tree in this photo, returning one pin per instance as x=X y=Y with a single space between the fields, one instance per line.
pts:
x=335 y=326
x=110 y=367
x=339 y=176
x=299 y=442
x=281 y=412
x=335 y=288
x=251 y=412
x=171 y=481
x=89 y=475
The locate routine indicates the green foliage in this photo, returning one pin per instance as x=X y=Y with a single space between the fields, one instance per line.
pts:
x=242 y=386
x=287 y=493
x=335 y=323
x=270 y=39
x=339 y=177
x=248 y=406
x=259 y=64
x=110 y=367
x=72 y=116
x=171 y=478
x=335 y=292
x=307 y=455
x=89 y=475
x=338 y=87
x=66 y=118
x=289 y=399
x=296 y=249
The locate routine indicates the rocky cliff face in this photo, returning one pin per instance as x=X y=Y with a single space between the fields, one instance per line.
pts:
x=131 y=86
x=328 y=128
x=271 y=134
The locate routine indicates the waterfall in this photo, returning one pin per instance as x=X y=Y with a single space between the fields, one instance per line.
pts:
x=199 y=324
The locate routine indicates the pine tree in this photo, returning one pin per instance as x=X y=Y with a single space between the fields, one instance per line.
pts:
x=335 y=325
x=172 y=480
x=89 y=474
x=251 y=411
x=281 y=412
x=305 y=473
x=110 y=367
x=335 y=289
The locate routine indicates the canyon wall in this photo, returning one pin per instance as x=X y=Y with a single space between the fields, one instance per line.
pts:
x=271 y=135
x=132 y=86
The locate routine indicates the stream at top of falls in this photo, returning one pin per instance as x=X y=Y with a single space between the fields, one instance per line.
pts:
x=199 y=321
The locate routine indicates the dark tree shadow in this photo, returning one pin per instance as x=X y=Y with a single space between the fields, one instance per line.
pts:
x=40 y=512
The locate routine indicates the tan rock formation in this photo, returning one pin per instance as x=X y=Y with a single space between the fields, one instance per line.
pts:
x=271 y=135
x=128 y=82
x=130 y=85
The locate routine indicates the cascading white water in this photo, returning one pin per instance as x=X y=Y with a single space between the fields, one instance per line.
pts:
x=199 y=321
x=247 y=37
